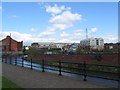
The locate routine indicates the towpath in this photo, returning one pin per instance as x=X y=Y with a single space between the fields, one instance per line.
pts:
x=28 y=78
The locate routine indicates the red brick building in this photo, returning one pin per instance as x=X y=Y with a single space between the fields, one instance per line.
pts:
x=10 y=45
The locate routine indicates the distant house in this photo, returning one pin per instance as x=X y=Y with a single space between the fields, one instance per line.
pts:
x=66 y=47
x=112 y=46
x=73 y=47
x=9 y=45
x=52 y=47
x=60 y=45
x=40 y=45
x=48 y=45
x=35 y=45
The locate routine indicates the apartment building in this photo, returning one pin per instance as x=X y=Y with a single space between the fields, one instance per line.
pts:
x=92 y=44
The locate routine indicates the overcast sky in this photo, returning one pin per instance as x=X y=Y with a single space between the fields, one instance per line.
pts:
x=59 y=22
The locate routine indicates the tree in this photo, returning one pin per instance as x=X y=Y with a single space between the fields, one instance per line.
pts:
x=33 y=52
x=24 y=50
x=79 y=50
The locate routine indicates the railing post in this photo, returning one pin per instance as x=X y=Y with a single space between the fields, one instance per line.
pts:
x=60 y=74
x=10 y=59
x=5 y=59
x=43 y=65
x=31 y=63
x=15 y=60
x=85 y=71
x=2 y=58
x=22 y=62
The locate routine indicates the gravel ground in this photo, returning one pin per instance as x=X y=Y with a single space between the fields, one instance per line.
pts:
x=28 y=78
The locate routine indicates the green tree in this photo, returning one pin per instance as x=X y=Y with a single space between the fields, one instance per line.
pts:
x=78 y=51
x=33 y=52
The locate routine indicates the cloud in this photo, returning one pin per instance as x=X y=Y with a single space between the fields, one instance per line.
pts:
x=48 y=40
x=18 y=36
x=62 y=19
x=76 y=36
x=66 y=18
x=33 y=29
x=110 y=38
x=47 y=32
x=52 y=29
x=64 y=40
x=61 y=26
x=26 y=38
x=56 y=9
x=94 y=30
x=79 y=33
x=64 y=35
x=42 y=4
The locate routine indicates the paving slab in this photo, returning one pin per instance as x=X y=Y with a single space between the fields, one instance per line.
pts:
x=28 y=78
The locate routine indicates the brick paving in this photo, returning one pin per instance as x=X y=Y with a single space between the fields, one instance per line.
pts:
x=28 y=78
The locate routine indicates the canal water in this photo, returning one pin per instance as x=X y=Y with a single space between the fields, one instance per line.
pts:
x=36 y=66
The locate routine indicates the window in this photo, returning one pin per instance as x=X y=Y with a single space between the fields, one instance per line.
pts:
x=97 y=42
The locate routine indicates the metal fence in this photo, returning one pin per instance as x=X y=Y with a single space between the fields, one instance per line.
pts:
x=91 y=70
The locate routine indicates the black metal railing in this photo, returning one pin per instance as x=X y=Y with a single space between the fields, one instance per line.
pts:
x=91 y=70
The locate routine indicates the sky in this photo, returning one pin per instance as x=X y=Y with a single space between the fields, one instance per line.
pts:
x=63 y=22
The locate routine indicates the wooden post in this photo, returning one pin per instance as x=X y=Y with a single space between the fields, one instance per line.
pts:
x=60 y=74
x=31 y=63
x=85 y=71
x=43 y=65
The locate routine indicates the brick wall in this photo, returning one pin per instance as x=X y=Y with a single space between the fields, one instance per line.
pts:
x=107 y=59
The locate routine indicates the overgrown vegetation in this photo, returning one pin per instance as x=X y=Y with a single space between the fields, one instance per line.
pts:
x=7 y=84
x=33 y=51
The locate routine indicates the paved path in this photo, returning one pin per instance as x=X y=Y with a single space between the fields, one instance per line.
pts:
x=28 y=78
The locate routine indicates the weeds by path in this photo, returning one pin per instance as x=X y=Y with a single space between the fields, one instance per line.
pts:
x=7 y=84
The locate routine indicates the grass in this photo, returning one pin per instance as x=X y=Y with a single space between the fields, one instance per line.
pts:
x=7 y=84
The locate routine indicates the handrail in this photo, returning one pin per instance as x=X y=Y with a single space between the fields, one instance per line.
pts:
x=79 y=68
